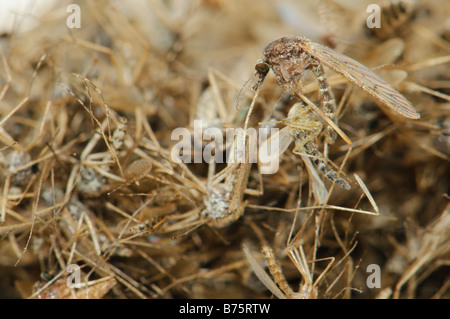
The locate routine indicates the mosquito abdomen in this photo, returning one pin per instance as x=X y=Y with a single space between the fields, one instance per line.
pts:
x=323 y=167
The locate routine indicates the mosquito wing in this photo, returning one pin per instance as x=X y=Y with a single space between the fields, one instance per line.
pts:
x=318 y=187
x=362 y=77
x=262 y=275
x=247 y=92
x=271 y=149
x=276 y=145
x=252 y=86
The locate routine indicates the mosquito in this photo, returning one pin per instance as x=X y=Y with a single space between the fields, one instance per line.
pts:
x=303 y=127
x=279 y=286
x=224 y=203
x=290 y=56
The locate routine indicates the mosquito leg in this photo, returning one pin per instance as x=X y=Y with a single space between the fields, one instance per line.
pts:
x=327 y=97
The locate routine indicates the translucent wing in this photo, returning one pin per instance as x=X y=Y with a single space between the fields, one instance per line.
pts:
x=251 y=87
x=262 y=275
x=362 y=77
x=318 y=188
x=277 y=144
x=247 y=92
x=272 y=148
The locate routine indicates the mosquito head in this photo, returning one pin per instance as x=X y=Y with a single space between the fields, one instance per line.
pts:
x=262 y=69
x=288 y=60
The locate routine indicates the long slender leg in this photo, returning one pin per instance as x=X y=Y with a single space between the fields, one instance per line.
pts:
x=327 y=97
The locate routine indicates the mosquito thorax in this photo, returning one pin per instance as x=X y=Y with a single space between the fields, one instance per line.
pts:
x=284 y=47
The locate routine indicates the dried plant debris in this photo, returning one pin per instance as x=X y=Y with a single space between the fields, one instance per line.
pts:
x=136 y=161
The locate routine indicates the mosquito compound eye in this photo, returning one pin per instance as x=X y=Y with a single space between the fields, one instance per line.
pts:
x=262 y=68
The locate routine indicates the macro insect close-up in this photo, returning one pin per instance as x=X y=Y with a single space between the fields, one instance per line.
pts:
x=223 y=149
x=290 y=56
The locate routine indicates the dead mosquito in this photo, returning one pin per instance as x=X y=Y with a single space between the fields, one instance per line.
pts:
x=290 y=56
x=224 y=203
x=278 y=285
